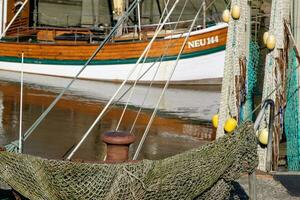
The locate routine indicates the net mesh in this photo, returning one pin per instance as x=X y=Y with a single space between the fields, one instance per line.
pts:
x=203 y=173
x=291 y=115
x=236 y=46
x=247 y=107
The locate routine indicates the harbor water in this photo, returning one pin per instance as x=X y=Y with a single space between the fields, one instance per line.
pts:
x=182 y=122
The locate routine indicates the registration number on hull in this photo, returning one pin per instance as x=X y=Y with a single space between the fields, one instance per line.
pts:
x=203 y=42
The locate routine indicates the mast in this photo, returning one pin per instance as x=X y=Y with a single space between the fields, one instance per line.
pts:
x=1 y=110
x=159 y=8
x=296 y=21
x=35 y=14
x=110 y=7
x=204 y=13
x=139 y=20
x=119 y=8
x=3 y=15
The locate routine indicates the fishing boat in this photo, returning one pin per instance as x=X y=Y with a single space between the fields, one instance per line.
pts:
x=61 y=52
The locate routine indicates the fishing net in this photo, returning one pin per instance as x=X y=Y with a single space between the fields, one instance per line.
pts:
x=203 y=173
x=247 y=107
x=291 y=115
x=236 y=47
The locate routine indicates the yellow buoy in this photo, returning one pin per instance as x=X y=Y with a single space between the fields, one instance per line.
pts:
x=236 y=12
x=215 y=121
x=226 y=15
x=271 y=42
x=263 y=136
x=230 y=125
x=265 y=37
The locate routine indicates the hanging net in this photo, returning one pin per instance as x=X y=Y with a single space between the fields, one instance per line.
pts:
x=247 y=107
x=291 y=116
x=203 y=173
x=236 y=46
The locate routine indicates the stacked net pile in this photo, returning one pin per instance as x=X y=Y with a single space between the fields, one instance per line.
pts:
x=203 y=173
x=291 y=115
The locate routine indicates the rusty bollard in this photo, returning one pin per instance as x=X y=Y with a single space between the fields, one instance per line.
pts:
x=117 y=145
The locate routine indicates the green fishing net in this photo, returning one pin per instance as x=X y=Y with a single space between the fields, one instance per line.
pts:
x=291 y=115
x=203 y=173
x=251 y=80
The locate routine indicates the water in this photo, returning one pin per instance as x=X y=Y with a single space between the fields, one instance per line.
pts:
x=178 y=127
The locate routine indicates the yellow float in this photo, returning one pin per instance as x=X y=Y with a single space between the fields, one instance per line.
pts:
x=215 y=121
x=265 y=37
x=236 y=12
x=263 y=136
x=271 y=42
x=226 y=15
x=230 y=125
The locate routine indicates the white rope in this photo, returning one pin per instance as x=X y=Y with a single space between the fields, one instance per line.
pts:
x=150 y=86
x=165 y=52
x=164 y=90
x=136 y=80
x=108 y=37
x=121 y=86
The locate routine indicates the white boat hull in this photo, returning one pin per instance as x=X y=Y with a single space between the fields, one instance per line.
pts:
x=204 y=69
x=198 y=104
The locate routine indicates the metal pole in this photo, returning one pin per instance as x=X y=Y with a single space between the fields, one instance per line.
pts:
x=13 y=19
x=107 y=38
x=252 y=186
x=204 y=13
x=21 y=108
x=270 y=134
x=35 y=12
x=139 y=20
x=252 y=176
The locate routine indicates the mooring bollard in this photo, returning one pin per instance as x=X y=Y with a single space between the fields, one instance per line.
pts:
x=117 y=145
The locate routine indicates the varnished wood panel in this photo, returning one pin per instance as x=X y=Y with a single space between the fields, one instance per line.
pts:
x=111 y=51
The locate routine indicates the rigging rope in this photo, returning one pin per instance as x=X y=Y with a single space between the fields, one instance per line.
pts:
x=161 y=60
x=164 y=89
x=107 y=38
x=123 y=83
x=136 y=80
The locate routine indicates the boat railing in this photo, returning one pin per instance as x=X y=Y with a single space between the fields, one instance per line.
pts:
x=94 y=35
x=69 y=19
